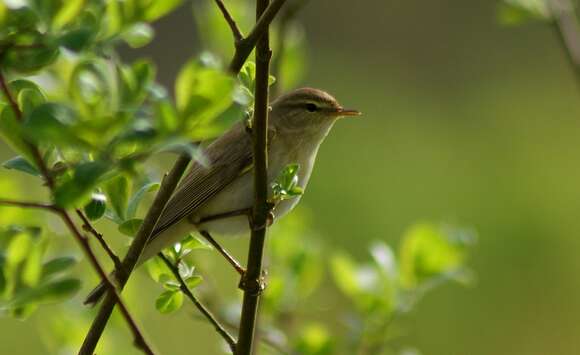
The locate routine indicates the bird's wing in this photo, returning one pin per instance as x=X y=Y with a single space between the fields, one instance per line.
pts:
x=229 y=157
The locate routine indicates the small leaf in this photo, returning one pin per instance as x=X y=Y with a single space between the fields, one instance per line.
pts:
x=77 y=40
x=51 y=292
x=57 y=265
x=53 y=124
x=75 y=191
x=130 y=226
x=67 y=13
x=160 y=8
x=192 y=242
x=202 y=93
x=21 y=164
x=158 y=270
x=193 y=281
x=138 y=35
x=169 y=301
x=345 y=274
x=516 y=12
x=97 y=207
x=118 y=190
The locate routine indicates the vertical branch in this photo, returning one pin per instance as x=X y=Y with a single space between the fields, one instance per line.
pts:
x=251 y=282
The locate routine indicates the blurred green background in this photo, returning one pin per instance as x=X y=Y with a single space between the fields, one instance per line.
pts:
x=465 y=121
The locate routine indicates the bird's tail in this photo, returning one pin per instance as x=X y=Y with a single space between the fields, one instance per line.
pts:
x=98 y=292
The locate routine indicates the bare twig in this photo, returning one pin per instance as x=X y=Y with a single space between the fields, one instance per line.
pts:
x=223 y=252
x=245 y=46
x=26 y=204
x=238 y=36
x=251 y=281
x=568 y=31
x=87 y=226
x=166 y=189
x=139 y=339
x=206 y=312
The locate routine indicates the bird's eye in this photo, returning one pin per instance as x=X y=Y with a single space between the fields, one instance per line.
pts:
x=311 y=107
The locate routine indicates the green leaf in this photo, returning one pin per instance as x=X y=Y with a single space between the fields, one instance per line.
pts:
x=11 y=132
x=29 y=98
x=96 y=208
x=53 y=124
x=192 y=242
x=138 y=197
x=118 y=190
x=32 y=51
x=160 y=8
x=202 y=94
x=21 y=164
x=286 y=184
x=429 y=251
x=516 y=12
x=193 y=281
x=77 y=40
x=131 y=226
x=158 y=270
x=56 y=266
x=67 y=13
x=314 y=339
x=345 y=274
x=76 y=190
x=169 y=301
x=138 y=35
x=47 y=293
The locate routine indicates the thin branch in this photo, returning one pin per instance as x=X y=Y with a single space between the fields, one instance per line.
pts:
x=166 y=189
x=245 y=46
x=139 y=339
x=239 y=268
x=568 y=31
x=238 y=36
x=206 y=312
x=251 y=281
x=87 y=226
x=25 y=204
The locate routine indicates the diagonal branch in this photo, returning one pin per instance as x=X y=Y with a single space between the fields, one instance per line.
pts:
x=139 y=339
x=206 y=312
x=238 y=36
x=245 y=46
x=87 y=226
x=166 y=189
x=251 y=281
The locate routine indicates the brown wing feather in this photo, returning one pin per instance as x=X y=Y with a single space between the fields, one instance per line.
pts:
x=228 y=157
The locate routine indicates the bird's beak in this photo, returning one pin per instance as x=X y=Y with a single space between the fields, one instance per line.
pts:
x=342 y=112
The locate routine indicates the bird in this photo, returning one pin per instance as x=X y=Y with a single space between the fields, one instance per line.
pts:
x=299 y=121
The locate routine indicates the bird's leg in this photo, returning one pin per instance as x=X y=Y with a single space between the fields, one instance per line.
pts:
x=230 y=259
x=223 y=252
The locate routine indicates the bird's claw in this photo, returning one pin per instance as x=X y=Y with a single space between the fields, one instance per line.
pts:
x=253 y=286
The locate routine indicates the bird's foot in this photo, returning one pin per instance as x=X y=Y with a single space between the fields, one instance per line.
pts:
x=270 y=217
x=254 y=286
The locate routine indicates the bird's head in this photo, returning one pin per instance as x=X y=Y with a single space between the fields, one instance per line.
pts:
x=307 y=109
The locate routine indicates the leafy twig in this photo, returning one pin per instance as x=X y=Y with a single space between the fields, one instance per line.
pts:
x=245 y=46
x=166 y=189
x=139 y=339
x=251 y=281
x=206 y=312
